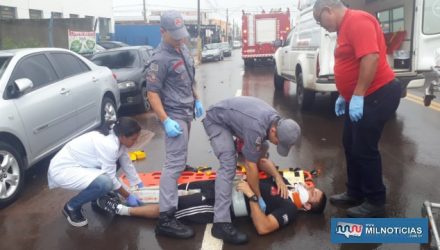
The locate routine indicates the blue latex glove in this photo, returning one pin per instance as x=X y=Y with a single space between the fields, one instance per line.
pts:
x=133 y=201
x=198 y=109
x=172 y=128
x=340 y=106
x=262 y=204
x=356 y=108
x=140 y=185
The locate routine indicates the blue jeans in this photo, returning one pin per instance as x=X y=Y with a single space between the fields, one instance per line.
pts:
x=98 y=188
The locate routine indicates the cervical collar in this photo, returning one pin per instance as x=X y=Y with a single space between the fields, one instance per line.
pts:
x=299 y=195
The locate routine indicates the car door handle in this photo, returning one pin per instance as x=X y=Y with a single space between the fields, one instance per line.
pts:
x=94 y=79
x=64 y=91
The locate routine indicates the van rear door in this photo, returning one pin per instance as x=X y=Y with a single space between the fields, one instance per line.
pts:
x=426 y=33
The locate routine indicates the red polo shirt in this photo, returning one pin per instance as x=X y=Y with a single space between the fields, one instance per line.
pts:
x=360 y=34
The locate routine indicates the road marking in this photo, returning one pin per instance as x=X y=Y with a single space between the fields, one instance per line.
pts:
x=419 y=100
x=433 y=103
x=209 y=242
x=238 y=93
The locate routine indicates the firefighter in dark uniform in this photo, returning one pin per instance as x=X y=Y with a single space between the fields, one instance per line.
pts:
x=170 y=85
x=255 y=122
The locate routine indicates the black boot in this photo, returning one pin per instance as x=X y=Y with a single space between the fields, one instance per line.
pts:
x=228 y=233
x=169 y=226
x=345 y=199
x=366 y=210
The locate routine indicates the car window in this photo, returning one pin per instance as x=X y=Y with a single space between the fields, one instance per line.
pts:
x=4 y=61
x=211 y=46
x=289 y=38
x=121 y=44
x=37 y=68
x=145 y=56
x=118 y=59
x=68 y=65
x=107 y=45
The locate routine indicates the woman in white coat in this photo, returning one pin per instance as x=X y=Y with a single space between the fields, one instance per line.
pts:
x=88 y=164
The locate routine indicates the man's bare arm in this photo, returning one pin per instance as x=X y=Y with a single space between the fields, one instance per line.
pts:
x=263 y=223
x=252 y=177
x=367 y=72
x=157 y=106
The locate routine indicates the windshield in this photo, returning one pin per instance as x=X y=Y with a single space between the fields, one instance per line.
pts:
x=225 y=45
x=212 y=46
x=4 y=61
x=118 y=59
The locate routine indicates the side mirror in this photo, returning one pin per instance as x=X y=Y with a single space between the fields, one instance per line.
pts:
x=23 y=84
x=278 y=43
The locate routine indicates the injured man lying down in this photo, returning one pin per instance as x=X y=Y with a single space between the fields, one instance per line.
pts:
x=196 y=203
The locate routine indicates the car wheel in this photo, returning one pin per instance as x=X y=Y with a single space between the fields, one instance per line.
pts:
x=304 y=97
x=108 y=111
x=278 y=81
x=145 y=105
x=11 y=174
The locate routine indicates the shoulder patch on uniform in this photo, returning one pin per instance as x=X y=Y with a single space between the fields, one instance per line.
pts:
x=154 y=67
x=151 y=77
x=258 y=142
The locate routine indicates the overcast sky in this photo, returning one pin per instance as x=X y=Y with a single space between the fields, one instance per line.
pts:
x=134 y=7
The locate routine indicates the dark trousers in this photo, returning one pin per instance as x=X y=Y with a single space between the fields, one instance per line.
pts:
x=361 y=139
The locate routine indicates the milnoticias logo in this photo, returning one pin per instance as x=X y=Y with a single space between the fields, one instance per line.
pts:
x=349 y=229
x=379 y=230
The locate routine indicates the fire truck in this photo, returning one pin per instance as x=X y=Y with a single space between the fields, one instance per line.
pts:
x=262 y=34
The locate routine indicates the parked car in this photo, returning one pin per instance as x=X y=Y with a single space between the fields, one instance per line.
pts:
x=48 y=96
x=227 y=50
x=236 y=44
x=212 y=52
x=129 y=64
x=112 y=44
x=98 y=48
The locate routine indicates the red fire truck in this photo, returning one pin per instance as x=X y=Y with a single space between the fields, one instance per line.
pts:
x=261 y=33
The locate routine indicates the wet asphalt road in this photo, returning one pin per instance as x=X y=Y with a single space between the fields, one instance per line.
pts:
x=409 y=146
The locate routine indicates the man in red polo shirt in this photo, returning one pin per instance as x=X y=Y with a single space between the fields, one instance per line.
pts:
x=369 y=95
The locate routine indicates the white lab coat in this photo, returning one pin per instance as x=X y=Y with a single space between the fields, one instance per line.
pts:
x=86 y=157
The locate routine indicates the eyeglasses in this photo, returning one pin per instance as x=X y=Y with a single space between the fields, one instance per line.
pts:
x=318 y=20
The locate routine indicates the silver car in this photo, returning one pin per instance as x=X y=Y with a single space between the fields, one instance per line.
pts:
x=212 y=52
x=48 y=96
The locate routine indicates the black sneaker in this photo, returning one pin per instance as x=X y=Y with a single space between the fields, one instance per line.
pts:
x=345 y=199
x=228 y=233
x=168 y=225
x=108 y=204
x=97 y=208
x=74 y=217
x=366 y=210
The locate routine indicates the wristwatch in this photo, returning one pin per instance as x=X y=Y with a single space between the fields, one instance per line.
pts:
x=253 y=198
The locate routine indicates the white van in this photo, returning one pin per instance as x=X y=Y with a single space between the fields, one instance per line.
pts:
x=411 y=29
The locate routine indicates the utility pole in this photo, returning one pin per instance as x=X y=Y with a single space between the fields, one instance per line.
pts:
x=233 y=29
x=199 y=40
x=227 y=23
x=144 y=11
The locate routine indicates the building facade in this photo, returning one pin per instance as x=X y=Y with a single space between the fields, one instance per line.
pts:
x=99 y=11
